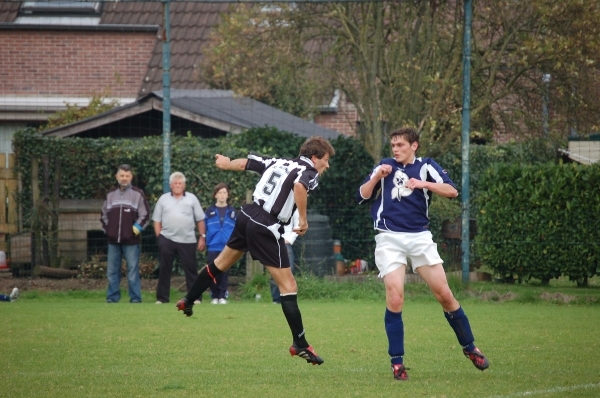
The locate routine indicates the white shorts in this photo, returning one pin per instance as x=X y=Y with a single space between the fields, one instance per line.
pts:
x=393 y=248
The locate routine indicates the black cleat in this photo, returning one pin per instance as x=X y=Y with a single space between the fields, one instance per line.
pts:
x=182 y=305
x=399 y=372
x=307 y=353
x=478 y=359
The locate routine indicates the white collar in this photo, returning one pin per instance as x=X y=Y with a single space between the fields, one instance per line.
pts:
x=307 y=160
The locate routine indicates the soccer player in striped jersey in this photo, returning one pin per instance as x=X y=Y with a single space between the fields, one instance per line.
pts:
x=283 y=187
x=401 y=189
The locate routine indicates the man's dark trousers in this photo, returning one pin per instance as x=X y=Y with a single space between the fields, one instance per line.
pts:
x=167 y=250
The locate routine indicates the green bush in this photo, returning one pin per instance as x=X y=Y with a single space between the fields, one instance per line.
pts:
x=481 y=157
x=540 y=221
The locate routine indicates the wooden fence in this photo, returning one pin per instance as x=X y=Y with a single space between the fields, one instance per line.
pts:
x=8 y=203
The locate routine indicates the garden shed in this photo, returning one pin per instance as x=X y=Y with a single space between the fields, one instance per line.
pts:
x=77 y=220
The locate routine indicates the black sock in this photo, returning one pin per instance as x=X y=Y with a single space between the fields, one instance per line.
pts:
x=289 y=305
x=205 y=278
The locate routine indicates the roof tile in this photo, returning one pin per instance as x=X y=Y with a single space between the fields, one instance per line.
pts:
x=9 y=11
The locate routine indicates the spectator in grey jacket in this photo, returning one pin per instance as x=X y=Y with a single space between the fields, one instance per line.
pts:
x=125 y=213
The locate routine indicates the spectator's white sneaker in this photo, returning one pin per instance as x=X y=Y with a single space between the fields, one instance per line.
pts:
x=214 y=301
x=197 y=302
x=158 y=302
x=14 y=294
x=222 y=301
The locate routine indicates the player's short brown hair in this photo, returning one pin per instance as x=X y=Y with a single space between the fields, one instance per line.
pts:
x=409 y=135
x=317 y=146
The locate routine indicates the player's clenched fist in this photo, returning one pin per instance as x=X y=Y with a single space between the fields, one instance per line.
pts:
x=384 y=170
x=222 y=161
x=301 y=228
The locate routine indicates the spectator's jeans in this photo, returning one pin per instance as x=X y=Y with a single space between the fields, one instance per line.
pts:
x=274 y=288
x=131 y=253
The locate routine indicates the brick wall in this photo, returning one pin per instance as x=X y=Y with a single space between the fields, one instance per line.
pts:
x=73 y=63
x=343 y=121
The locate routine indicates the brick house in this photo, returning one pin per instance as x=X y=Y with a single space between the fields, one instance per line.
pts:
x=52 y=54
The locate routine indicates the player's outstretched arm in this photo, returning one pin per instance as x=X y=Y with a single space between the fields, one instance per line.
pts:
x=224 y=163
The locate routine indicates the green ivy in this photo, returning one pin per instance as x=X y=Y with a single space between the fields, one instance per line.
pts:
x=88 y=168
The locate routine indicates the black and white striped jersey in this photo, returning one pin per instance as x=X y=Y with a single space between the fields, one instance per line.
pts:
x=275 y=190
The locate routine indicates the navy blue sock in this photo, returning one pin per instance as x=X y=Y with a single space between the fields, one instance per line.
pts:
x=394 y=328
x=460 y=324
x=289 y=305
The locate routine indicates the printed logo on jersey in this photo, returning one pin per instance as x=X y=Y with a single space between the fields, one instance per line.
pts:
x=400 y=189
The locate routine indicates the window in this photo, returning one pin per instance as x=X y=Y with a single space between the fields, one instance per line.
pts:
x=63 y=8
x=59 y=13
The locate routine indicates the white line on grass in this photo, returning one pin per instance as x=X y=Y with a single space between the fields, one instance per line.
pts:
x=550 y=391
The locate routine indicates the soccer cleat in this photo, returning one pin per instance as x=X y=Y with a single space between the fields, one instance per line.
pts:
x=478 y=359
x=399 y=372
x=182 y=305
x=307 y=353
x=14 y=294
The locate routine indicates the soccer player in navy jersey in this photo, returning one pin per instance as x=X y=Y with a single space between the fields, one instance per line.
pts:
x=283 y=187
x=401 y=189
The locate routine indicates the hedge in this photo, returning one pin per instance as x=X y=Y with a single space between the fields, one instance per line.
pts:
x=540 y=221
x=88 y=168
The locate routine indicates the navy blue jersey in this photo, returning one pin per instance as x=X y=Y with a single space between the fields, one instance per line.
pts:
x=400 y=209
x=275 y=190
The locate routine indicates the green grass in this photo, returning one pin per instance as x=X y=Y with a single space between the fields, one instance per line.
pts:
x=74 y=345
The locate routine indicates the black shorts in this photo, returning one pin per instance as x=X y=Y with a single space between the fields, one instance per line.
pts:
x=259 y=233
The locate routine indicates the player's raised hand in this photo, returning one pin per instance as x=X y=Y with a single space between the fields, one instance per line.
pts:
x=384 y=170
x=221 y=161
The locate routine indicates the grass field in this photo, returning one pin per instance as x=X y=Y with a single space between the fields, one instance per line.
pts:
x=75 y=345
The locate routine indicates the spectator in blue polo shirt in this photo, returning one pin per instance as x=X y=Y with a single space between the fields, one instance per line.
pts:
x=175 y=215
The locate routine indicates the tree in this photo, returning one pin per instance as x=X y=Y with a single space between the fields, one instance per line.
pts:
x=571 y=43
x=98 y=104
x=257 y=52
x=400 y=63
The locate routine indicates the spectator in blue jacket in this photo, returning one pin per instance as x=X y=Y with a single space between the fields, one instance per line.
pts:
x=220 y=221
